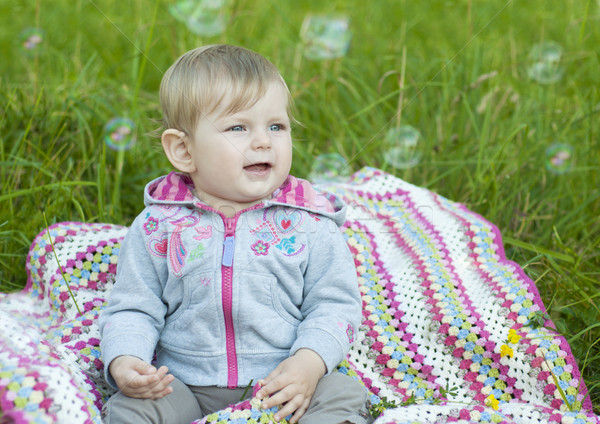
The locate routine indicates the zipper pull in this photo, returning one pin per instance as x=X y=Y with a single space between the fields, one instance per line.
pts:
x=228 y=246
x=229 y=225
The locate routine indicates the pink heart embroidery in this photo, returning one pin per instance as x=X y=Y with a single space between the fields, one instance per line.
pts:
x=286 y=220
x=161 y=247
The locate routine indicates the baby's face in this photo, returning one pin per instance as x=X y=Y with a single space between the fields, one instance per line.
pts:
x=241 y=158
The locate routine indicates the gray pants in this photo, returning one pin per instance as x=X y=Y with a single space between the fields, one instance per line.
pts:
x=337 y=399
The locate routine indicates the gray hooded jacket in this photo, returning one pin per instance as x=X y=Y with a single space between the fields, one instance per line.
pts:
x=223 y=300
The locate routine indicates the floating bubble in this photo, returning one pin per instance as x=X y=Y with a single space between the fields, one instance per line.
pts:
x=325 y=37
x=119 y=134
x=559 y=158
x=202 y=17
x=402 y=145
x=546 y=63
x=31 y=41
x=329 y=167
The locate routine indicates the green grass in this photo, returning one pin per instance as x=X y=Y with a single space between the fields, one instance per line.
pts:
x=485 y=125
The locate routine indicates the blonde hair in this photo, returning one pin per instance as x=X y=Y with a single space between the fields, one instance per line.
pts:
x=197 y=83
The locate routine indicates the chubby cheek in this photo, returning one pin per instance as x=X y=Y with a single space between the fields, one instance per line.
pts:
x=284 y=157
x=218 y=167
x=227 y=159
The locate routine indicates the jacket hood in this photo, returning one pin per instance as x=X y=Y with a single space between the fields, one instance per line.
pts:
x=177 y=188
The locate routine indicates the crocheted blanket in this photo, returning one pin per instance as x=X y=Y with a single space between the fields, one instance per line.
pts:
x=452 y=330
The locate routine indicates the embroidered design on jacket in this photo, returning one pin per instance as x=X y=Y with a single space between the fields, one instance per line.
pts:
x=277 y=223
x=159 y=245
x=266 y=232
x=167 y=211
x=288 y=246
x=177 y=252
x=172 y=246
x=285 y=219
x=151 y=225
x=198 y=252
x=203 y=232
x=260 y=247
x=314 y=216
x=350 y=333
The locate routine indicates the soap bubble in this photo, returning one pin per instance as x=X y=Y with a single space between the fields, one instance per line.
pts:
x=329 y=167
x=325 y=37
x=119 y=134
x=545 y=61
x=202 y=17
x=402 y=145
x=559 y=158
x=31 y=41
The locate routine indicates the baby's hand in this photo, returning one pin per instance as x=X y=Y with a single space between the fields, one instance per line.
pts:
x=139 y=379
x=293 y=382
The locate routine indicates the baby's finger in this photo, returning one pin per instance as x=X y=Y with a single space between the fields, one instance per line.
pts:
x=148 y=371
x=160 y=384
x=164 y=392
x=151 y=380
x=161 y=372
x=135 y=382
x=271 y=400
x=144 y=368
x=137 y=385
x=152 y=390
x=300 y=411
x=279 y=397
x=268 y=387
x=269 y=378
x=288 y=408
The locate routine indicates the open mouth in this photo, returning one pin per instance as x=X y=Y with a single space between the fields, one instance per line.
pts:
x=258 y=167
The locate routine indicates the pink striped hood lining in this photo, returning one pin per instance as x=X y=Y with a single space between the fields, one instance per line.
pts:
x=177 y=188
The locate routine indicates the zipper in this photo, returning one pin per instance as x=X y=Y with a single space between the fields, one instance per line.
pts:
x=227 y=300
x=227 y=290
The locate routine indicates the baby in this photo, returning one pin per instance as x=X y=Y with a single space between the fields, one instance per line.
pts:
x=235 y=271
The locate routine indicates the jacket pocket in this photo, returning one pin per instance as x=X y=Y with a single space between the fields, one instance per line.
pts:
x=267 y=316
x=195 y=325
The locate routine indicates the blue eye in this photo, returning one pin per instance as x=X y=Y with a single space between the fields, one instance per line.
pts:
x=276 y=127
x=236 y=128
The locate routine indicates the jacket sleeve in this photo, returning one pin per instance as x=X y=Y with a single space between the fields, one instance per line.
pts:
x=134 y=318
x=332 y=306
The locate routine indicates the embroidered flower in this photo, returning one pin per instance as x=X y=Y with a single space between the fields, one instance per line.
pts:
x=260 y=248
x=350 y=333
x=151 y=225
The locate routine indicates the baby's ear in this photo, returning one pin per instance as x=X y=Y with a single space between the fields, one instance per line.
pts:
x=176 y=146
